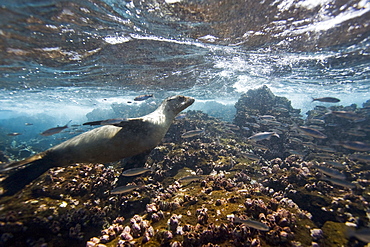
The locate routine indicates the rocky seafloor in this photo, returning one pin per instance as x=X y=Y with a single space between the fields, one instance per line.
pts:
x=274 y=181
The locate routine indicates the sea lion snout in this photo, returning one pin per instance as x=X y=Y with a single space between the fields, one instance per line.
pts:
x=187 y=102
x=179 y=102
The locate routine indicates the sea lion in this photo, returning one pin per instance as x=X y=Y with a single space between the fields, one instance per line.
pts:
x=121 y=139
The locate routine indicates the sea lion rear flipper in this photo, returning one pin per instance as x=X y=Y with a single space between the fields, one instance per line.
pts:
x=17 y=164
x=20 y=178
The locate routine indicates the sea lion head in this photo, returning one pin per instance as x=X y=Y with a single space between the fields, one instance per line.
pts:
x=176 y=104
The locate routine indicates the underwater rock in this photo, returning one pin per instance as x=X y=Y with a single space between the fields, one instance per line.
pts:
x=317 y=234
x=202 y=216
x=334 y=234
x=173 y=223
x=261 y=111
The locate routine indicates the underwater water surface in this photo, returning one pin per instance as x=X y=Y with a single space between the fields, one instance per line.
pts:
x=261 y=147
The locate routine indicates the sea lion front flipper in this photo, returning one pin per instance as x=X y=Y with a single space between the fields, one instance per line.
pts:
x=130 y=122
x=132 y=162
x=93 y=123
x=112 y=121
x=134 y=125
x=136 y=160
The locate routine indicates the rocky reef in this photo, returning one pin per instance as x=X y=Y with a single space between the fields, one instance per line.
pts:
x=202 y=189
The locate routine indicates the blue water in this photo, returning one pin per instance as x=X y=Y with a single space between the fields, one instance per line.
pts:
x=62 y=60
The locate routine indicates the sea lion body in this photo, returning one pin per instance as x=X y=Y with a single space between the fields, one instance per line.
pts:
x=105 y=144
x=109 y=143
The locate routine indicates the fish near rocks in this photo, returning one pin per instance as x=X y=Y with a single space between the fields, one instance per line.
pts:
x=143 y=97
x=312 y=132
x=105 y=144
x=262 y=136
x=55 y=130
x=330 y=172
x=124 y=189
x=14 y=134
x=326 y=99
x=189 y=179
x=253 y=224
x=350 y=115
x=136 y=171
x=340 y=182
x=192 y=133
x=355 y=145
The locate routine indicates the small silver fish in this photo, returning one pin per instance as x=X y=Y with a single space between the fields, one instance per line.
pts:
x=189 y=179
x=346 y=114
x=254 y=125
x=180 y=116
x=232 y=126
x=55 y=130
x=296 y=152
x=312 y=132
x=325 y=149
x=280 y=109
x=355 y=145
x=335 y=164
x=262 y=136
x=124 y=189
x=14 y=134
x=326 y=99
x=361 y=157
x=260 y=146
x=315 y=121
x=340 y=182
x=143 y=97
x=229 y=131
x=135 y=171
x=270 y=122
x=324 y=156
x=277 y=131
x=357 y=133
x=331 y=172
x=192 y=133
x=316 y=127
x=253 y=224
x=251 y=156
x=295 y=140
x=310 y=145
x=266 y=117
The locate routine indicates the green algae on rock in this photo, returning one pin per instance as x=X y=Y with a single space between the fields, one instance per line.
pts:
x=334 y=233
